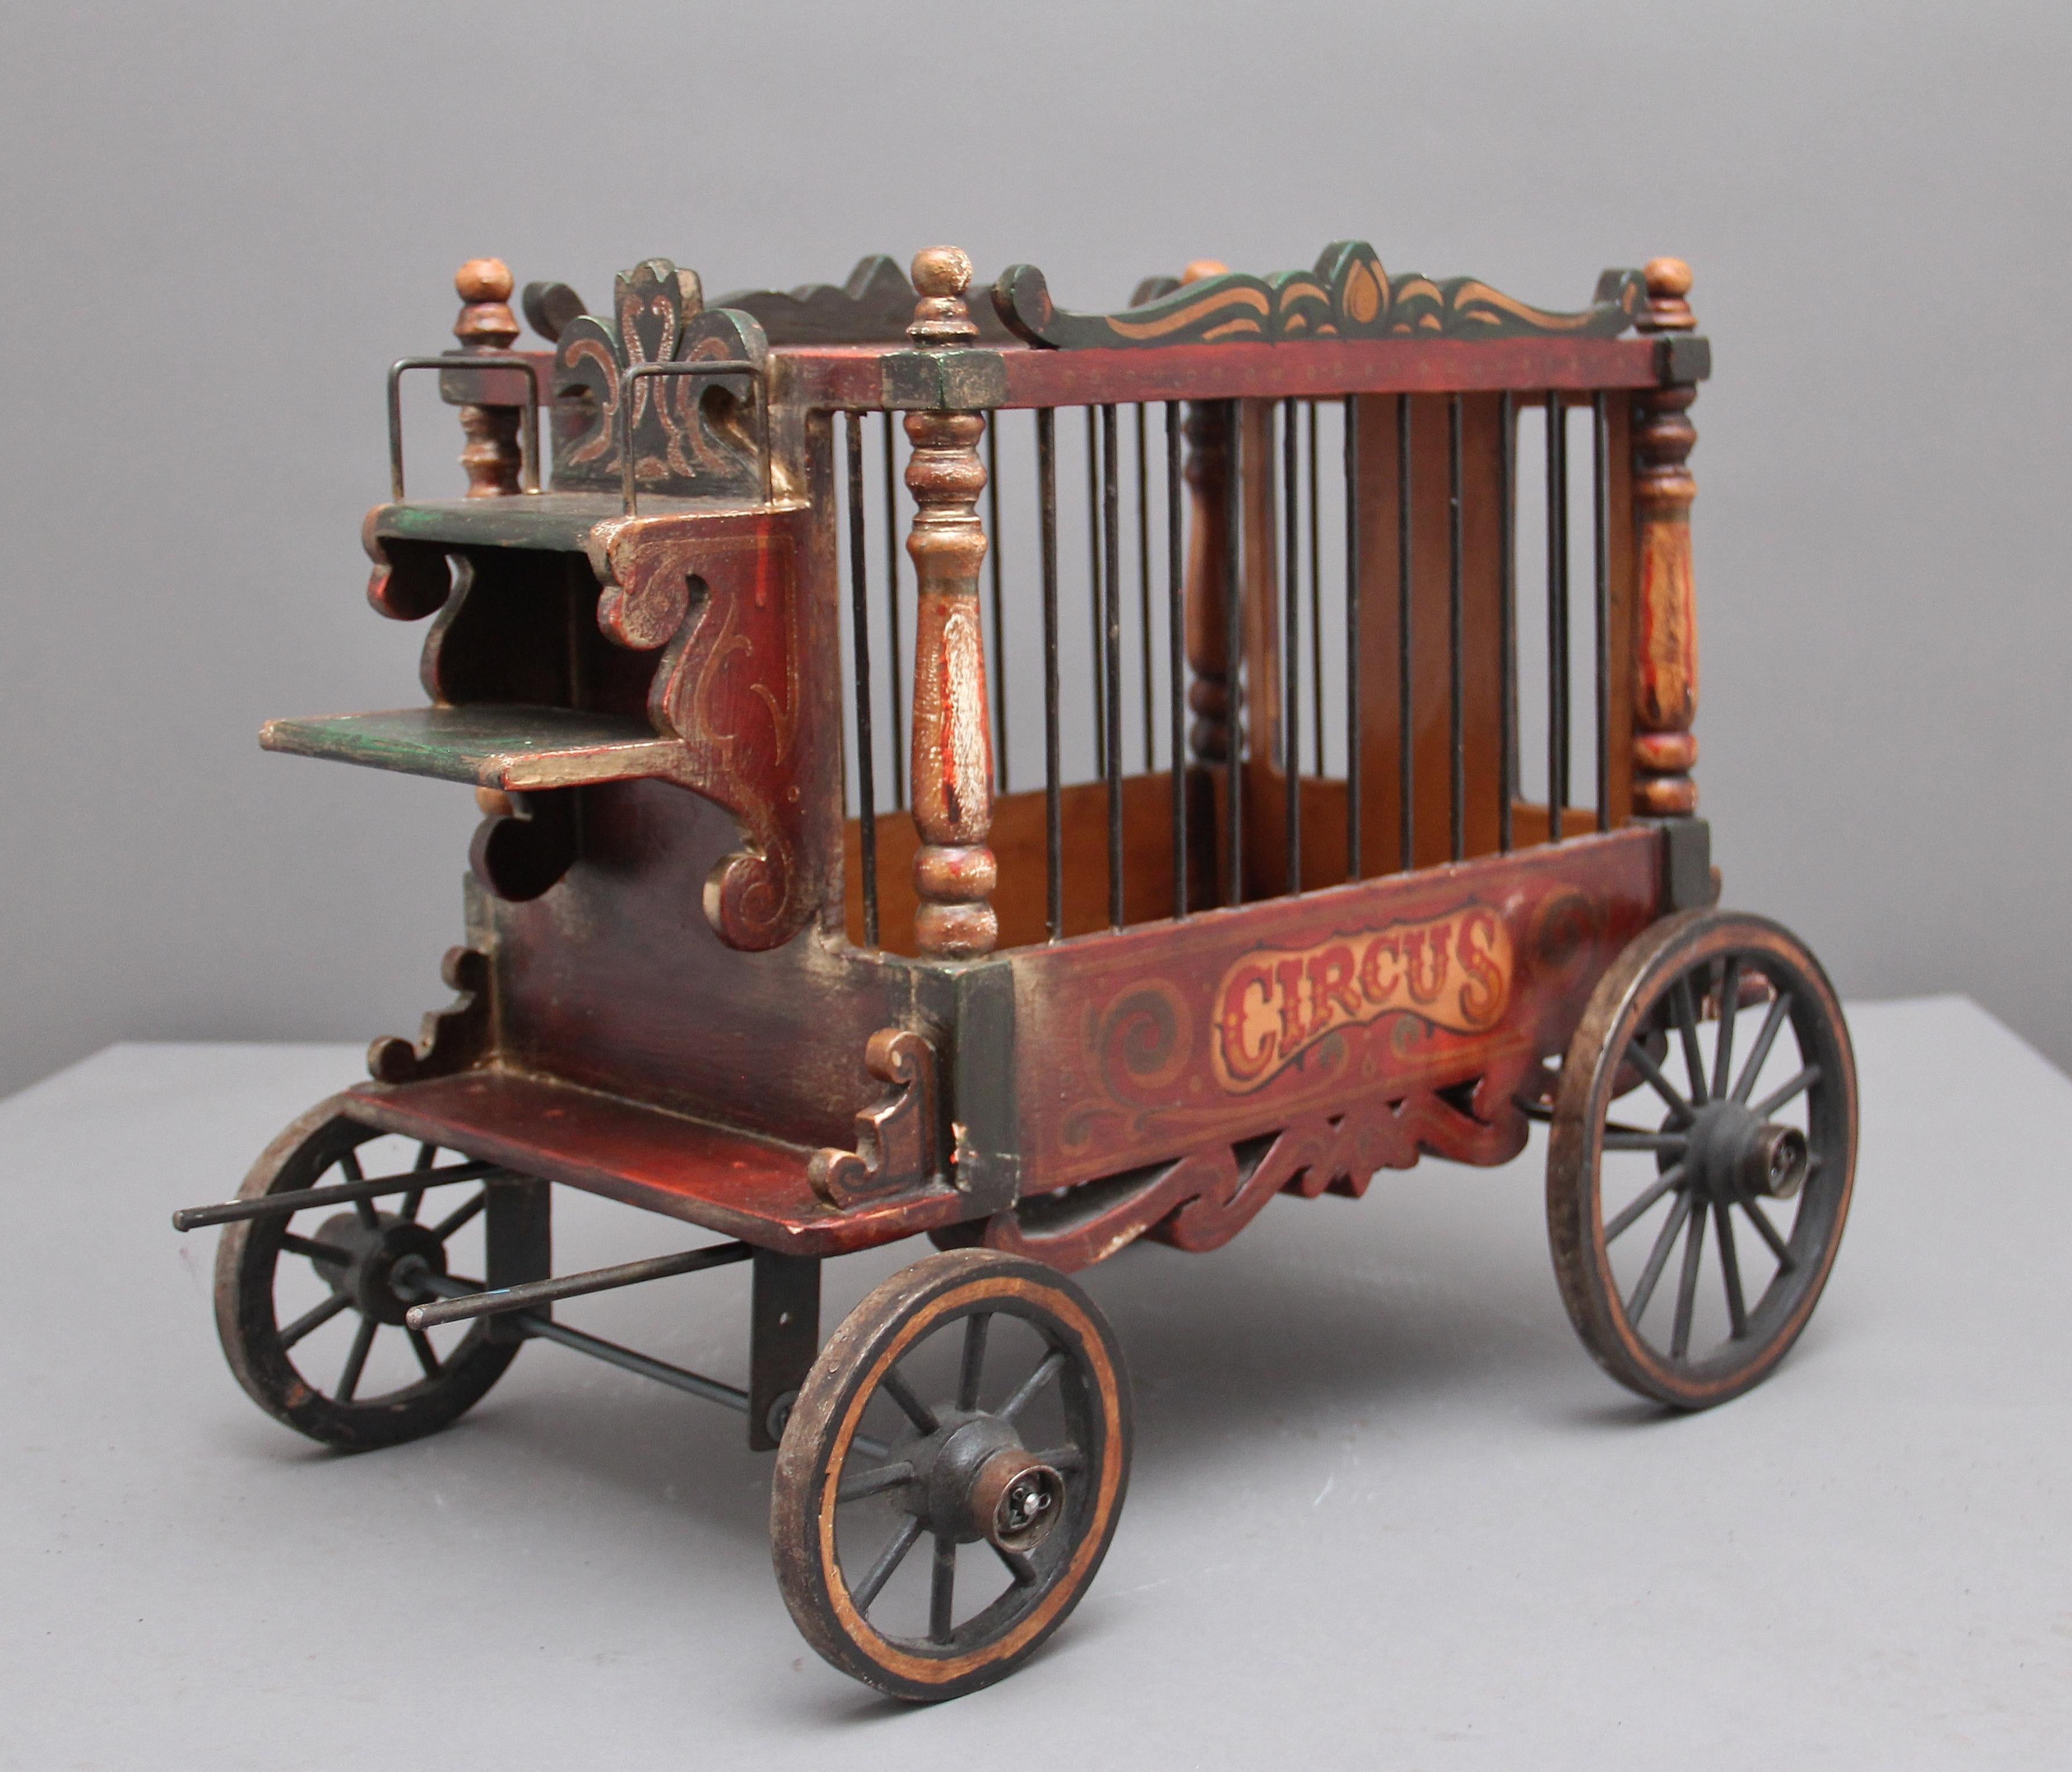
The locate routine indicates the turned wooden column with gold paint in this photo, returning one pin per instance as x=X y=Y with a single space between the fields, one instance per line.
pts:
x=492 y=457
x=954 y=871
x=1666 y=637
x=1206 y=600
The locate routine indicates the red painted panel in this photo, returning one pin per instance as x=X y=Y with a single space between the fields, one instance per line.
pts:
x=1166 y=1040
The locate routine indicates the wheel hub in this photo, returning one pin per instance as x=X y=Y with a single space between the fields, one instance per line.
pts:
x=374 y=1253
x=1732 y=1153
x=974 y=1479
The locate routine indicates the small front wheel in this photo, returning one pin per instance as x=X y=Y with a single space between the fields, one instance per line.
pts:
x=1694 y=1223
x=309 y=1304
x=977 y=1401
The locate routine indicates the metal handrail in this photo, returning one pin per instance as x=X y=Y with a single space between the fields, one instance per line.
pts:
x=529 y=443
x=629 y=486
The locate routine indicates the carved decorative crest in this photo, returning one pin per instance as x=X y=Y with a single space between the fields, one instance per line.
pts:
x=693 y=437
x=1348 y=295
x=873 y=306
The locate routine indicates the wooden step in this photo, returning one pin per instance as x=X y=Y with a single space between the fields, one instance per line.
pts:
x=733 y=1182
x=488 y=745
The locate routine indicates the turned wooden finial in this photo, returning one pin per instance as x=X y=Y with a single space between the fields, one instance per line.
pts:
x=1665 y=650
x=941 y=275
x=1668 y=284
x=486 y=324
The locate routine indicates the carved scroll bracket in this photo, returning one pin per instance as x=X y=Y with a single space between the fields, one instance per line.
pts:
x=453 y=1039
x=898 y=1143
x=722 y=598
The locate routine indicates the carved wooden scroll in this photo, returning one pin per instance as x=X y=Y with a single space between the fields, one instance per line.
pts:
x=1202 y=1200
x=721 y=596
x=1347 y=295
x=954 y=870
x=897 y=1142
x=691 y=435
x=1666 y=649
x=453 y=1039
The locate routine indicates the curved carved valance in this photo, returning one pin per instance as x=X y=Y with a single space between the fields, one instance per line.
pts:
x=1347 y=295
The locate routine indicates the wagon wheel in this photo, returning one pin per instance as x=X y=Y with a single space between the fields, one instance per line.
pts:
x=309 y=1304
x=1741 y=1149
x=976 y=1400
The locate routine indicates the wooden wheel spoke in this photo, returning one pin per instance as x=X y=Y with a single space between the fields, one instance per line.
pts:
x=1730 y=1271
x=1686 y=1031
x=1780 y=1007
x=314 y=1250
x=1641 y=1202
x=1018 y=1565
x=421 y=1345
x=1053 y=1363
x=356 y=1362
x=349 y=1162
x=1789 y=1091
x=1657 y=1259
x=911 y=1405
x=1687 y=1286
x=415 y=1199
x=975 y=1329
x=863 y=1592
x=312 y=1319
x=1671 y=1095
x=942 y=1589
x=1064 y=1460
x=1723 y=1048
x=1768 y=1232
x=866 y=1483
x=454 y=1219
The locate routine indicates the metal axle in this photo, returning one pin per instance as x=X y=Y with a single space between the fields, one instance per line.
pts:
x=546 y=1329
x=459 y=1309
x=194 y=1218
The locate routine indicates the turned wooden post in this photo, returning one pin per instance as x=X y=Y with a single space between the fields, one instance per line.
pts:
x=1665 y=648
x=1208 y=566
x=492 y=457
x=954 y=871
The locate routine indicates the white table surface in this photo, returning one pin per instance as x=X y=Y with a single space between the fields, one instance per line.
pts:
x=1385 y=1511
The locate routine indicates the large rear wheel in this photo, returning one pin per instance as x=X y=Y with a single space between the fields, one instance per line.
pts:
x=1695 y=1222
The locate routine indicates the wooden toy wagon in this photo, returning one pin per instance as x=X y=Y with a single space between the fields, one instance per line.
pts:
x=760 y=937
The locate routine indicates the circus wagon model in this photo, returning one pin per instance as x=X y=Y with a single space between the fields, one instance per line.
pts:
x=1267 y=760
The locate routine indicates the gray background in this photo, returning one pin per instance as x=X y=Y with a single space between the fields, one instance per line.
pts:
x=222 y=221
